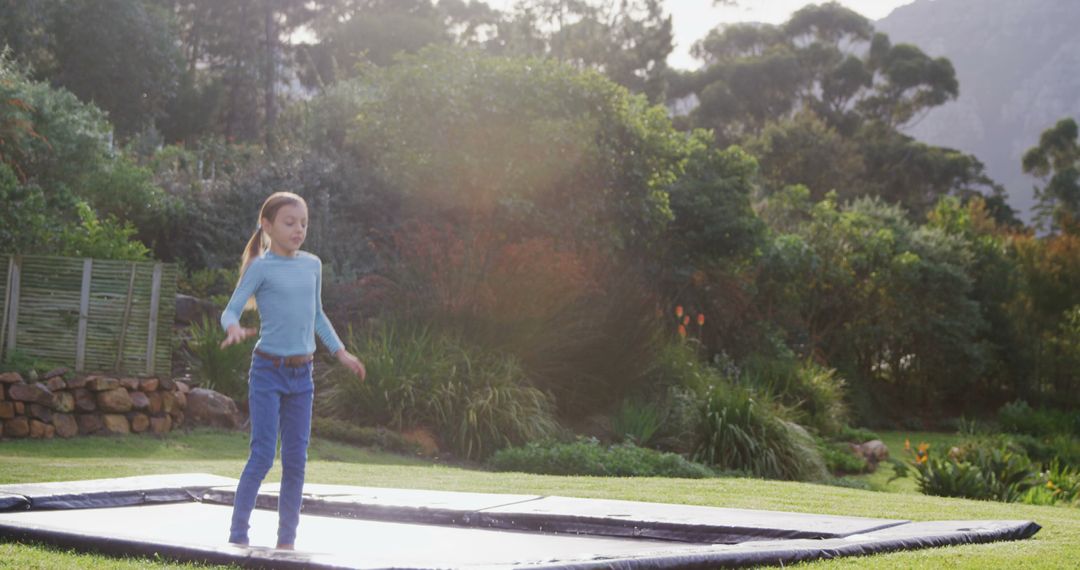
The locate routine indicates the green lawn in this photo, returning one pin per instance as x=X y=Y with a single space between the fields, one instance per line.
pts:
x=1056 y=546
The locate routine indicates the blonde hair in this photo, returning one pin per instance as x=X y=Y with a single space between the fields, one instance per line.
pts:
x=259 y=242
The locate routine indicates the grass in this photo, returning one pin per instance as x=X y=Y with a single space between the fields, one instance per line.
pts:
x=1056 y=546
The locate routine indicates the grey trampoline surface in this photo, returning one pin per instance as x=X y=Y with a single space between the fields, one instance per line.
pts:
x=186 y=517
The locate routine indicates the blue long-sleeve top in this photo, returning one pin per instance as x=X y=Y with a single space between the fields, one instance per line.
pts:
x=288 y=293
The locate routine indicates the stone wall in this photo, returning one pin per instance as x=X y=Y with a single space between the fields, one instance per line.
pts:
x=62 y=404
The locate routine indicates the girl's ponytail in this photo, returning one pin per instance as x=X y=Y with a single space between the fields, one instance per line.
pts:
x=253 y=249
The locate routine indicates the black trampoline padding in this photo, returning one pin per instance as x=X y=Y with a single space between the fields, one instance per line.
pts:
x=117 y=492
x=688 y=523
x=355 y=527
x=192 y=531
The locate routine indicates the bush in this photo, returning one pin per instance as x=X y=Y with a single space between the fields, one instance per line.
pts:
x=739 y=432
x=224 y=370
x=984 y=470
x=377 y=437
x=813 y=392
x=637 y=421
x=588 y=457
x=839 y=459
x=1020 y=417
x=476 y=401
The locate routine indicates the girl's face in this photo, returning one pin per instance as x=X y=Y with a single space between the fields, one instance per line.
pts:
x=287 y=230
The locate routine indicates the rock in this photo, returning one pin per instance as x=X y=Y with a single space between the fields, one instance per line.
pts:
x=207 y=407
x=37 y=429
x=50 y=431
x=55 y=383
x=149 y=385
x=18 y=426
x=139 y=422
x=65 y=425
x=7 y=410
x=3 y=393
x=89 y=423
x=63 y=401
x=190 y=310
x=43 y=413
x=161 y=425
x=182 y=386
x=115 y=400
x=139 y=401
x=102 y=383
x=423 y=439
x=168 y=402
x=181 y=400
x=20 y=408
x=178 y=418
x=36 y=393
x=130 y=383
x=166 y=384
x=77 y=382
x=11 y=378
x=115 y=424
x=55 y=373
x=874 y=451
x=155 y=402
x=84 y=400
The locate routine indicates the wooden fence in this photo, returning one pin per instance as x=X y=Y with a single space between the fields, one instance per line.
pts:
x=89 y=314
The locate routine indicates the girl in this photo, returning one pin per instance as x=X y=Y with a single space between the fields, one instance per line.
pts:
x=287 y=285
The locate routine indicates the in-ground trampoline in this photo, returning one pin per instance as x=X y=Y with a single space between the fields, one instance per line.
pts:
x=186 y=517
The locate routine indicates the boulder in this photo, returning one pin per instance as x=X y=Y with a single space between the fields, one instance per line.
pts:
x=115 y=400
x=102 y=383
x=55 y=373
x=64 y=402
x=65 y=425
x=207 y=407
x=139 y=422
x=140 y=401
x=89 y=423
x=115 y=424
x=155 y=402
x=190 y=310
x=43 y=413
x=874 y=451
x=11 y=378
x=149 y=385
x=7 y=410
x=18 y=426
x=84 y=400
x=37 y=429
x=78 y=382
x=160 y=425
x=182 y=386
x=55 y=383
x=35 y=393
x=130 y=383
x=181 y=400
x=168 y=402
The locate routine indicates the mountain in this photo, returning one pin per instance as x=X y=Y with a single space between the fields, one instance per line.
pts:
x=1018 y=63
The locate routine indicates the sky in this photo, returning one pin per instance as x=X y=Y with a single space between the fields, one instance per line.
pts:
x=693 y=19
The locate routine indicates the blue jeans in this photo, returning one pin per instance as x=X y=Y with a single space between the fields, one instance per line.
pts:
x=278 y=396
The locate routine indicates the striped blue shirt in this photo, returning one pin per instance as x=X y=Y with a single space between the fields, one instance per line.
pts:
x=288 y=292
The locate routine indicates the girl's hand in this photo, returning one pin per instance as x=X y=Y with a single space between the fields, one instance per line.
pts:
x=235 y=334
x=352 y=363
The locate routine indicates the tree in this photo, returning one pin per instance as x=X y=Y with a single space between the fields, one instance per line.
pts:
x=1056 y=160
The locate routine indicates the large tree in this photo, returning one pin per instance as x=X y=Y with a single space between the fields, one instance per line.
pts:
x=1056 y=160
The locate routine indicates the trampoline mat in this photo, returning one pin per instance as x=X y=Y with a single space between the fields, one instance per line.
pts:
x=193 y=528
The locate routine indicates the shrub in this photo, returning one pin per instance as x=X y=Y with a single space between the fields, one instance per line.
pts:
x=224 y=370
x=477 y=401
x=978 y=470
x=813 y=392
x=377 y=437
x=1020 y=417
x=839 y=459
x=856 y=435
x=588 y=457
x=737 y=431
x=637 y=421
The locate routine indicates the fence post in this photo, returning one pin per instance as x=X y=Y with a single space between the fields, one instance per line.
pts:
x=151 y=336
x=4 y=307
x=84 y=314
x=13 y=305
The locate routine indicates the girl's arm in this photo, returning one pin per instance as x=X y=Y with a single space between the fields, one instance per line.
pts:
x=326 y=333
x=230 y=317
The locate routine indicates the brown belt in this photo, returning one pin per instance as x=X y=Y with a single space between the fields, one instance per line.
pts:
x=293 y=361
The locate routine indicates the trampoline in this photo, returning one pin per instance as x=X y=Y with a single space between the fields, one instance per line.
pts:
x=186 y=517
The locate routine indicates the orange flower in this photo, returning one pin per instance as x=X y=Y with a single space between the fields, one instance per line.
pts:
x=923 y=447
x=701 y=319
x=907 y=444
x=682 y=331
x=686 y=320
x=920 y=459
x=678 y=311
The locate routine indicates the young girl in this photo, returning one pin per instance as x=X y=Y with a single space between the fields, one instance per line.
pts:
x=287 y=285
